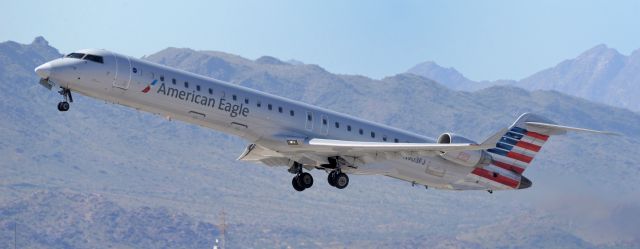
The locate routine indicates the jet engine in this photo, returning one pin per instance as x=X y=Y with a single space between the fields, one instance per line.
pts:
x=469 y=158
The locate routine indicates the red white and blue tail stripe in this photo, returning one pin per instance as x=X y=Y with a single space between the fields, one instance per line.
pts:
x=516 y=149
x=513 y=153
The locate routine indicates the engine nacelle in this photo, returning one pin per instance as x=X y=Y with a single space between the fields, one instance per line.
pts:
x=469 y=158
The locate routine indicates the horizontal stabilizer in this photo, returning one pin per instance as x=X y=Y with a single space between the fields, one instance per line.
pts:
x=560 y=129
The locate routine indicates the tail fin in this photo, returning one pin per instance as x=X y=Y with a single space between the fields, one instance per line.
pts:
x=518 y=146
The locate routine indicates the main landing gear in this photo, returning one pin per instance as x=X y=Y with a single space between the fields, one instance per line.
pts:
x=63 y=106
x=338 y=179
x=302 y=180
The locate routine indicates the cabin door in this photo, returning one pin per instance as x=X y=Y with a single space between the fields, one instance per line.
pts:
x=122 y=77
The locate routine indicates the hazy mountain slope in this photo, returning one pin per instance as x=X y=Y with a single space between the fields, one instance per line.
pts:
x=136 y=159
x=51 y=219
x=449 y=76
x=599 y=74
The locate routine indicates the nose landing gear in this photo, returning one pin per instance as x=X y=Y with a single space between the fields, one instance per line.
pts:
x=63 y=106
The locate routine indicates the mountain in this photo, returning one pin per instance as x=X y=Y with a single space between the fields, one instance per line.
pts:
x=449 y=76
x=61 y=219
x=599 y=74
x=170 y=176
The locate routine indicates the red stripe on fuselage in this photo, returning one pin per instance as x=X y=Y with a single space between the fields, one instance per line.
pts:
x=507 y=166
x=519 y=157
x=528 y=146
x=537 y=135
x=497 y=178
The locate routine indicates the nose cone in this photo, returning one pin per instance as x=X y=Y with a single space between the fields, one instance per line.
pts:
x=44 y=70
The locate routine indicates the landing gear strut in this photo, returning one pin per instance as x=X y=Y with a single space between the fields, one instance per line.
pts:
x=63 y=106
x=302 y=180
x=338 y=179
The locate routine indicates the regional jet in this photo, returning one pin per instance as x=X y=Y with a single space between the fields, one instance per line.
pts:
x=302 y=137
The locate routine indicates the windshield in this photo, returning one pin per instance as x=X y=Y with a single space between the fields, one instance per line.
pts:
x=89 y=57
x=94 y=58
x=75 y=55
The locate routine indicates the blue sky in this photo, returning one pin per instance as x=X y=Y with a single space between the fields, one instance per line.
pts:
x=485 y=40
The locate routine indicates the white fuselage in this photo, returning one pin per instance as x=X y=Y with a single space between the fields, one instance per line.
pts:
x=260 y=118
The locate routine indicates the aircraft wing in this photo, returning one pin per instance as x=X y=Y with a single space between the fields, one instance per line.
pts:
x=317 y=150
x=377 y=147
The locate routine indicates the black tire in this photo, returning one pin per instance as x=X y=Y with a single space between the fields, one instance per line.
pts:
x=331 y=178
x=295 y=184
x=305 y=180
x=341 y=180
x=63 y=106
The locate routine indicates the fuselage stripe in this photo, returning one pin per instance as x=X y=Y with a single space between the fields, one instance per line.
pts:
x=495 y=177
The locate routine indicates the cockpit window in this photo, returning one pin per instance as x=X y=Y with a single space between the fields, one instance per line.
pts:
x=89 y=57
x=94 y=58
x=75 y=55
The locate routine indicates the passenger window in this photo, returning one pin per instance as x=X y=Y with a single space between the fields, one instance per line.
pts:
x=361 y=131
x=395 y=140
x=309 y=117
x=162 y=78
x=173 y=81
x=373 y=134
x=258 y=104
x=135 y=70
x=210 y=91
x=348 y=127
x=198 y=88
x=234 y=97
x=186 y=84
x=337 y=125
x=384 y=138
x=279 y=109
x=324 y=121
x=246 y=101
x=269 y=107
x=291 y=113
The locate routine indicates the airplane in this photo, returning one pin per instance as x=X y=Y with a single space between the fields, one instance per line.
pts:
x=300 y=136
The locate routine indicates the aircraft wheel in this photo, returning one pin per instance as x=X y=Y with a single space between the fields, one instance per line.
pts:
x=331 y=178
x=341 y=180
x=63 y=106
x=305 y=180
x=296 y=185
